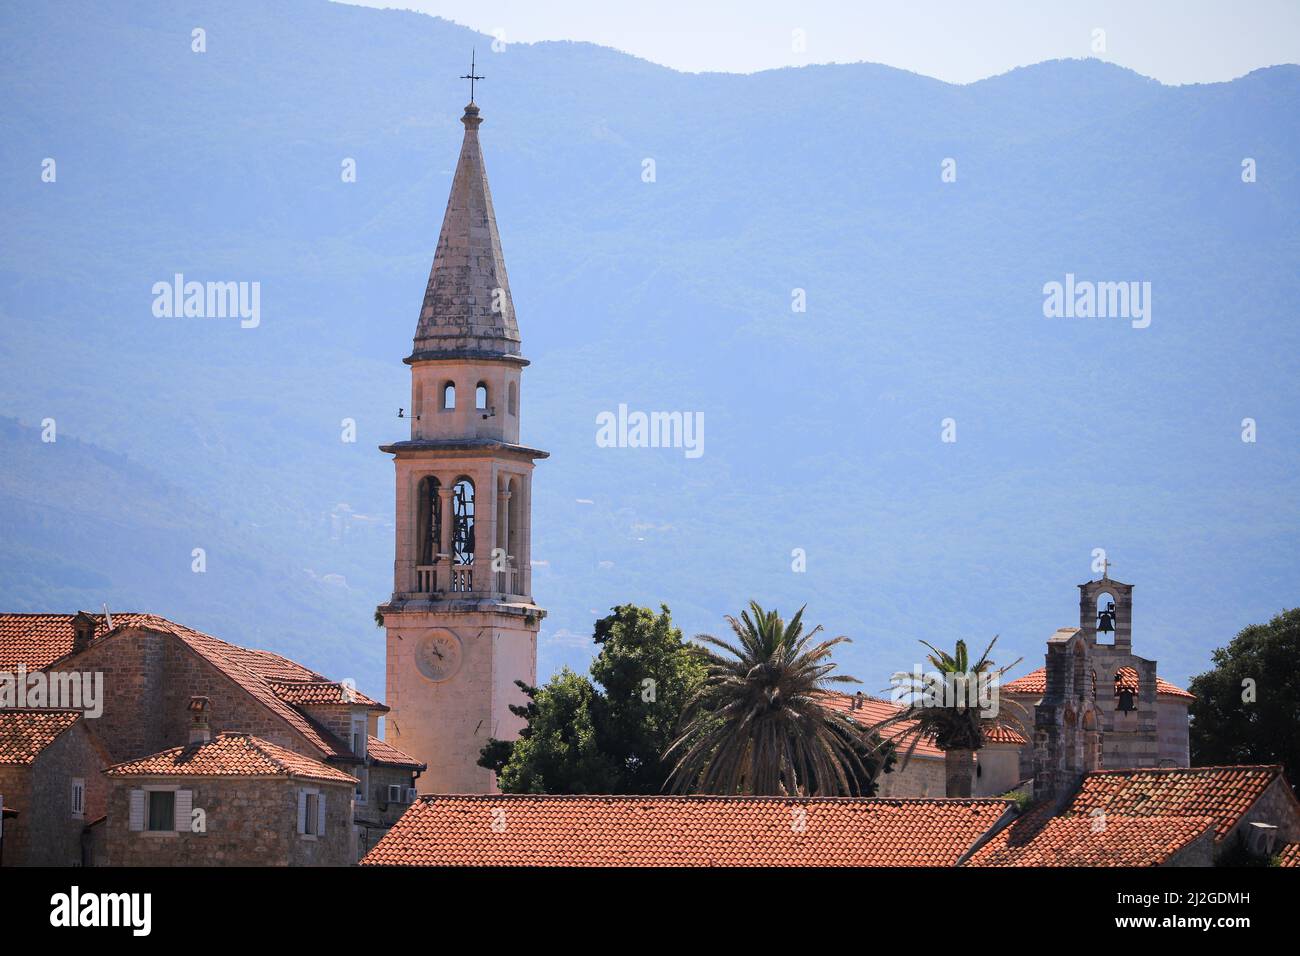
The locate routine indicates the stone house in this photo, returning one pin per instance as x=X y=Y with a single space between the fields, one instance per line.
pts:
x=390 y=775
x=50 y=784
x=231 y=800
x=153 y=669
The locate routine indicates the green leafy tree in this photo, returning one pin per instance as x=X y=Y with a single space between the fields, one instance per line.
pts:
x=558 y=752
x=608 y=734
x=1245 y=708
x=648 y=672
x=759 y=725
x=956 y=725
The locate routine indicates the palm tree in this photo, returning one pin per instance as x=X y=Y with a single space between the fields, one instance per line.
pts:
x=757 y=724
x=956 y=727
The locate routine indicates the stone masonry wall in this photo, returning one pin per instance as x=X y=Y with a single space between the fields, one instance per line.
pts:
x=148 y=682
x=15 y=786
x=251 y=821
x=46 y=833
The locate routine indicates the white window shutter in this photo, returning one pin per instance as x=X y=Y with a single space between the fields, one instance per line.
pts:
x=136 y=822
x=320 y=815
x=184 y=808
x=302 y=811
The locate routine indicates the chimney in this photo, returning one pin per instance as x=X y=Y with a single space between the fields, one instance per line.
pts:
x=83 y=630
x=199 y=733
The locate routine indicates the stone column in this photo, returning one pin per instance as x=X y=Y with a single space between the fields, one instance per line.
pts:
x=503 y=535
x=443 y=546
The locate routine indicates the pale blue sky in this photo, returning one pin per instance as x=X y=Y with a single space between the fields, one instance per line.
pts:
x=1175 y=41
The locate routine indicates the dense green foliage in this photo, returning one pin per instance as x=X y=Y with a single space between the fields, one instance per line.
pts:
x=605 y=734
x=1245 y=708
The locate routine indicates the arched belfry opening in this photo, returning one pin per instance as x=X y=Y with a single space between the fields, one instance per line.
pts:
x=1106 y=612
x=462 y=540
x=429 y=521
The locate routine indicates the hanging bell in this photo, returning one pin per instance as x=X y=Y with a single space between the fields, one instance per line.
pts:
x=1106 y=618
x=1126 y=703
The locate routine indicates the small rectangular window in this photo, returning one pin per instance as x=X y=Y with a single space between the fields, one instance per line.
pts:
x=78 y=797
x=310 y=822
x=162 y=811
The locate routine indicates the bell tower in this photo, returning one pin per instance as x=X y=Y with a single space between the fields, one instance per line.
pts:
x=461 y=624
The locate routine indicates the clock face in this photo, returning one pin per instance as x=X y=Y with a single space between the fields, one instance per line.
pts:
x=438 y=655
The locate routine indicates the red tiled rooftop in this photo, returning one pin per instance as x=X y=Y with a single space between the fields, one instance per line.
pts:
x=536 y=830
x=1001 y=734
x=1288 y=854
x=25 y=733
x=1035 y=682
x=1039 y=840
x=380 y=751
x=872 y=710
x=230 y=755
x=1223 y=793
x=300 y=693
x=37 y=640
x=257 y=672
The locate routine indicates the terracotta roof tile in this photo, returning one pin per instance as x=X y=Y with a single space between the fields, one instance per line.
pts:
x=229 y=755
x=37 y=640
x=1002 y=734
x=1035 y=682
x=320 y=692
x=871 y=710
x=1288 y=854
x=382 y=752
x=536 y=830
x=25 y=733
x=1038 y=839
x=1222 y=793
x=243 y=667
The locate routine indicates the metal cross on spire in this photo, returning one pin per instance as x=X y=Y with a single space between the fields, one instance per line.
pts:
x=1106 y=565
x=471 y=75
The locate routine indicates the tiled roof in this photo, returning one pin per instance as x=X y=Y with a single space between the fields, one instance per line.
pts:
x=385 y=753
x=321 y=692
x=1223 y=793
x=1001 y=734
x=268 y=677
x=37 y=640
x=230 y=755
x=245 y=668
x=1035 y=682
x=872 y=710
x=25 y=733
x=1038 y=839
x=1288 y=854
x=537 y=830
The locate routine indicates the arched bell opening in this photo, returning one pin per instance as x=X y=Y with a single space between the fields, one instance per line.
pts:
x=1105 y=611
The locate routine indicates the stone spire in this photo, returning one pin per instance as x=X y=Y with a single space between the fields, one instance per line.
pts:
x=467 y=307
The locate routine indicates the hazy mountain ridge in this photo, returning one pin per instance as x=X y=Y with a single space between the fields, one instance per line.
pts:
x=822 y=429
